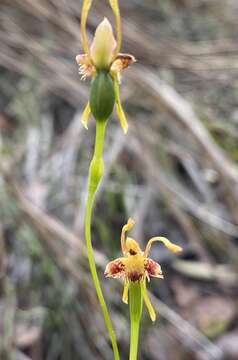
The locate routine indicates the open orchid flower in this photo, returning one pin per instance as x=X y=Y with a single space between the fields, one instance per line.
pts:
x=135 y=265
x=103 y=56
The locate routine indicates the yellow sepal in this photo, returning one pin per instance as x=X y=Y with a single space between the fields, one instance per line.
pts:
x=120 y=112
x=127 y=227
x=85 y=115
x=125 y=292
x=84 y=14
x=147 y=301
x=115 y=7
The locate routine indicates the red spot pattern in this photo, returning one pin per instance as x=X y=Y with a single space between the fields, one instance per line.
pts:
x=134 y=276
x=152 y=267
x=115 y=268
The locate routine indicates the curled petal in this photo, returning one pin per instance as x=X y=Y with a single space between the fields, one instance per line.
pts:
x=147 y=301
x=103 y=45
x=120 y=112
x=115 y=269
x=127 y=227
x=172 y=247
x=153 y=268
x=121 y=62
x=85 y=115
x=125 y=292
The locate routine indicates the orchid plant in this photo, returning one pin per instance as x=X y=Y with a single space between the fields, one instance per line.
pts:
x=103 y=62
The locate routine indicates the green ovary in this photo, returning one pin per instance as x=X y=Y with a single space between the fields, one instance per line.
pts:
x=102 y=97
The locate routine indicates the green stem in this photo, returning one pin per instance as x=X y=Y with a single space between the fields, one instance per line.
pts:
x=135 y=317
x=95 y=174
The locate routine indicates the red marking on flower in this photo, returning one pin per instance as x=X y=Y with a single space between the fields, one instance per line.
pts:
x=126 y=60
x=134 y=276
x=132 y=252
x=152 y=268
x=115 y=269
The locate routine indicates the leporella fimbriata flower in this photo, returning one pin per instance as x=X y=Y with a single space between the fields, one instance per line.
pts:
x=103 y=62
x=135 y=265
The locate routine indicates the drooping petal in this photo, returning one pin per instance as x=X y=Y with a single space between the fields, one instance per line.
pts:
x=103 y=45
x=121 y=62
x=129 y=225
x=153 y=268
x=116 y=10
x=85 y=115
x=120 y=112
x=84 y=14
x=125 y=292
x=172 y=247
x=147 y=301
x=115 y=268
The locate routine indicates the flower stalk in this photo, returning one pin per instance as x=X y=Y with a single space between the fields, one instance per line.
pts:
x=135 y=304
x=95 y=174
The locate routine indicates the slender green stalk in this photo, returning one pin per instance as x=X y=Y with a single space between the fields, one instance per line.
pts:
x=95 y=174
x=135 y=302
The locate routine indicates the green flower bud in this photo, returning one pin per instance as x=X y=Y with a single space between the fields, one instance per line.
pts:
x=102 y=96
x=95 y=172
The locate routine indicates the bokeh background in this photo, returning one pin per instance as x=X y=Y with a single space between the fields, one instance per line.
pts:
x=175 y=173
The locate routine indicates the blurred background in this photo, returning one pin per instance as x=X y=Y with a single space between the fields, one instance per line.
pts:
x=175 y=173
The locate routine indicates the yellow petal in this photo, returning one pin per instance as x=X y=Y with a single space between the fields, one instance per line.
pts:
x=85 y=115
x=116 y=10
x=172 y=247
x=147 y=302
x=103 y=45
x=84 y=14
x=132 y=246
x=127 y=227
x=120 y=112
x=125 y=292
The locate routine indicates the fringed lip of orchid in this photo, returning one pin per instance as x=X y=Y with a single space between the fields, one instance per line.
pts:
x=135 y=265
x=104 y=54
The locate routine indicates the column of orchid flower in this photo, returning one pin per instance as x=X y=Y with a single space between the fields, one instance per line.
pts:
x=103 y=62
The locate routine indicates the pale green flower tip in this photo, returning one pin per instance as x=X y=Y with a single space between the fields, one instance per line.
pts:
x=85 y=116
x=125 y=129
x=153 y=317
x=85 y=125
x=122 y=117
x=103 y=45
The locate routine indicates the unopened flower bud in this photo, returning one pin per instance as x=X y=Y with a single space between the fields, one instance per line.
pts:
x=103 y=45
